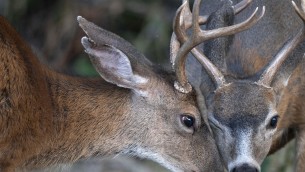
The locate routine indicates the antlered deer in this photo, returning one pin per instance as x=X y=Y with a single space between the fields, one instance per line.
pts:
x=246 y=92
x=49 y=118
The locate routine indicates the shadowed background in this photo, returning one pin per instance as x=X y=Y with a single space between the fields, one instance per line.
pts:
x=50 y=27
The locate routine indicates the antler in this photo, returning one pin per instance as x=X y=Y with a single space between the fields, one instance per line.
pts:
x=198 y=36
x=269 y=73
x=186 y=22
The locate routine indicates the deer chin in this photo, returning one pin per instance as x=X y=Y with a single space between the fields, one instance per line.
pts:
x=144 y=153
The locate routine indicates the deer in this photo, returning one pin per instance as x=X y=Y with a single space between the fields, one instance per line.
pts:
x=251 y=83
x=134 y=108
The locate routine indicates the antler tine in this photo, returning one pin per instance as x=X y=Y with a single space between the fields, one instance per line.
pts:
x=229 y=30
x=303 y=5
x=179 y=30
x=180 y=58
x=211 y=68
x=182 y=85
x=203 y=19
x=300 y=12
x=241 y=6
x=198 y=36
x=269 y=73
x=187 y=23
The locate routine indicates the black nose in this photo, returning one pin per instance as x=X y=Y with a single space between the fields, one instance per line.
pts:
x=244 y=168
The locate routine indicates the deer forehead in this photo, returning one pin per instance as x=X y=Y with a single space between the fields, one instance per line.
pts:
x=162 y=95
x=161 y=91
x=242 y=101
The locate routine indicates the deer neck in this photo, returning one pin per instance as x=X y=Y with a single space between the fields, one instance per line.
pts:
x=88 y=119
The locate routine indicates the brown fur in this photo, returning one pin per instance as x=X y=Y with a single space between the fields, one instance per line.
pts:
x=49 y=118
x=292 y=101
x=21 y=92
x=293 y=110
x=244 y=62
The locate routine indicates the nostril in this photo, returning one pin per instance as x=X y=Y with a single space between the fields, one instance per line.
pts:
x=244 y=168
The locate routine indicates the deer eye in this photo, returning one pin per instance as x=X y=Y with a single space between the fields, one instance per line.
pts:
x=187 y=120
x=273 y=121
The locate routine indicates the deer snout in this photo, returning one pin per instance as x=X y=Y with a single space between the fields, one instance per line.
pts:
x=245 y=168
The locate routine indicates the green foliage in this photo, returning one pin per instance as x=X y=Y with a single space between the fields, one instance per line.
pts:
x=83 y=67
x=281 y=161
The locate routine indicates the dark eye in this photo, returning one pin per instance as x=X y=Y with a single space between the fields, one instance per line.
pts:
x=188 y=121
x=273 y=121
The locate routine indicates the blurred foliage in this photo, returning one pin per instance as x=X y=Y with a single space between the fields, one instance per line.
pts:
x=50 y=27
x=281 y=161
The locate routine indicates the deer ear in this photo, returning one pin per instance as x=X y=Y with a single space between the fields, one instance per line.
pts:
x=113 y=65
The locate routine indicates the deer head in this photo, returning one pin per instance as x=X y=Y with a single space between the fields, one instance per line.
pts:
x=50 y=118
x=164 y=123
x=242 y=112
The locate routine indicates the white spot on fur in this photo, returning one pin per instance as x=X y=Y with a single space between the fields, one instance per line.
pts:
x=244 y=151
x=140 y=80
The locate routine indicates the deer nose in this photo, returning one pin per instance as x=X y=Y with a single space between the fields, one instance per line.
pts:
x=244 y=168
